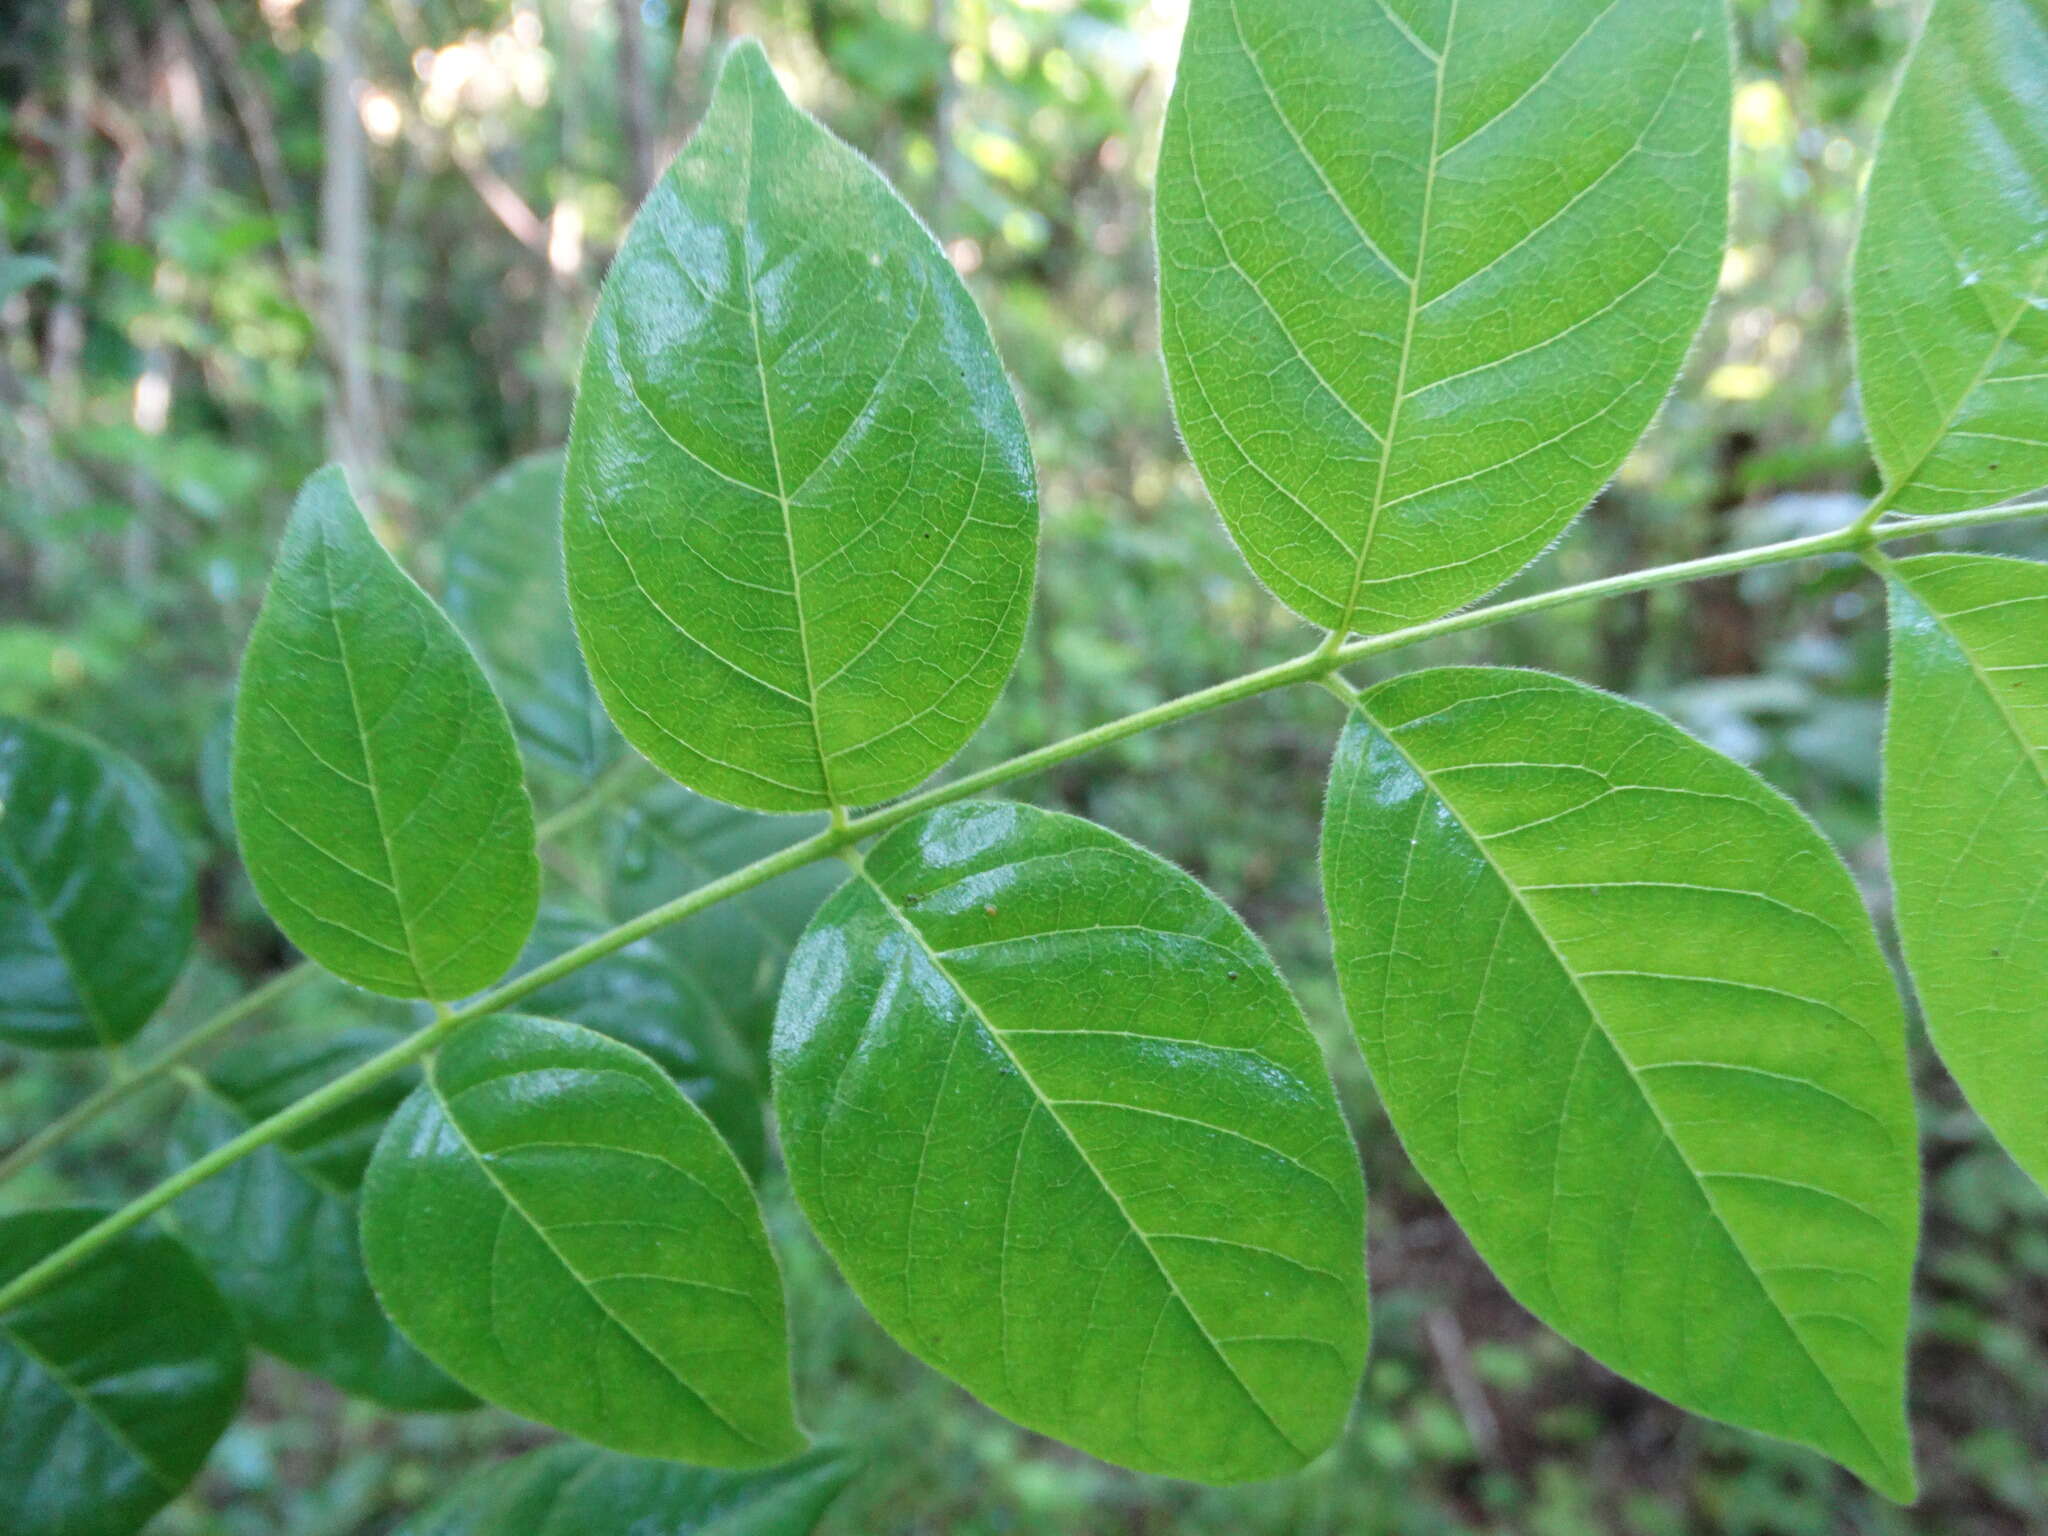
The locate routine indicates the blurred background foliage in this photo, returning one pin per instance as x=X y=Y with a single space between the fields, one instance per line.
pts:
x=238 y=237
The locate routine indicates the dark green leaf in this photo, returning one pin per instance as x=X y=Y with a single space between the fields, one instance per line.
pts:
x=1951 y=277
x=558 y=1228
x=96 y=901
x=1427 y=269
x=504 y=591
x=670 y=841
x=376 y=784
x=278 y=1229
x=799 y=515
x=1628 y=1015
x=640 y=996
x=573 y=1490
x=1966 y=819
x=1061 y=1122
x=114 y=1381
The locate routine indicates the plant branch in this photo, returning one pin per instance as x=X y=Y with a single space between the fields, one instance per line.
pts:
x=1313 y=666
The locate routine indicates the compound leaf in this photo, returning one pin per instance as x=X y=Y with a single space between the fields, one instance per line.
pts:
x=1057 y=1116
x=278 y=1230
x=376 y=784
x=115 y=1380
x=1427 y=269
x=504 y=591
x=96 y=899
x=1951 y=273
x=574 y=1490
x=800 y=517
x=1966 y=820
x=554 y=1224
x=1627 y=1012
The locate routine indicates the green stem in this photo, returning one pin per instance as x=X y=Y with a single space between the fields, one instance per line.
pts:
x=165 y=1063
x=1314 y=666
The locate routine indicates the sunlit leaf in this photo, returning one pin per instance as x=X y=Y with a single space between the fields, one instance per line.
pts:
x=376 y=785
x=1966 y=820
x=115 y=1380
x=1628 y=1014
x=799 y=517
x=1427 y=269
x=1951 y=275
x=1060 y=1121
x=96 y=900
x=554 y=1224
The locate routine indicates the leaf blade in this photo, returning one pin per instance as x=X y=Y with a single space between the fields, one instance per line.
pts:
x=97 y=905
x=115 y=1381
x=1683 y=1008
x=1966 y=822
x=1950 y=282
x=978 y=1158
x=377 y=788
x=783 y=605
x=1410 y=150
x=545 y=1176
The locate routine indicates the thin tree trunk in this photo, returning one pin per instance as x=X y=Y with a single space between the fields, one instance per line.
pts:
x=344 y=237
x=701 y=26
x=66 y=343
x=636 y=109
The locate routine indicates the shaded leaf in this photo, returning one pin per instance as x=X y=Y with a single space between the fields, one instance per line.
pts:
x=1059 y=1119
x=1427 y=269
x=115 y=1380
x=1951 y=273
x=96 y=898
x=278 y=1229
x=574 y=1490
x=799 y=518
x=1629 y=1017
x=376 y=785
x=641 y=997
x=504 y=591
x=1966 y=821
x=558 y=1228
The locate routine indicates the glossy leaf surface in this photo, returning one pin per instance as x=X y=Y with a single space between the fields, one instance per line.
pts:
x=1062 y=1124
x=573 y=1490
x=1966 y=821
x=1951 y=274
x=1627 y=1012
x=504 y=591
x=277 y=1230
x=640 y=996
x=96 y=899
x=1427 y=269
x=669 y=841
x=377 y=788
x=800 y=517
x=555 y=1225
x=114 y=1381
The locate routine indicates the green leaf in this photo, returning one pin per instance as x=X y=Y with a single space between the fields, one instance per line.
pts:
x=573 y=1490
x=640 y=997
x=558 y=1228
x=800 y=517
x=1628 y=1014
x=19 y=273
x=278 y=1229
x=114 y=1381
x=376 y=784
x=1059 y=1119
x=504 y=591
x=1966 y=820
x=1427 y=269
x=96 y=899
x=669 y=841
x=1951 y=274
